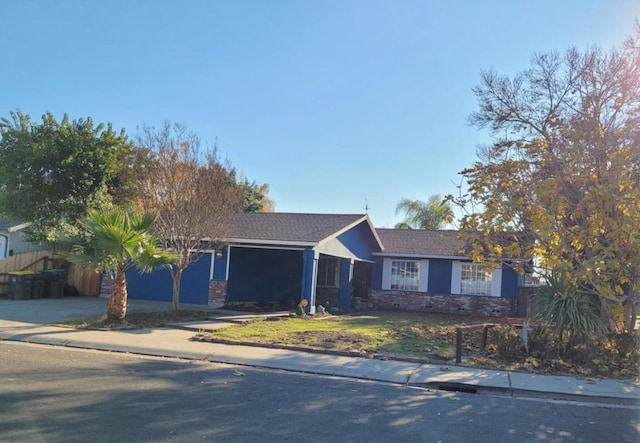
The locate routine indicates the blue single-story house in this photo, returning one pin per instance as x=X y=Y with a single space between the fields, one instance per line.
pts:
x=275 y=258
x=334 y=259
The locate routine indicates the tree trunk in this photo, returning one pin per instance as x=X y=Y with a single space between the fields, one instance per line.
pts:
x=176 y=276
x=117 y=306
x=605 y=316
x=629 y=305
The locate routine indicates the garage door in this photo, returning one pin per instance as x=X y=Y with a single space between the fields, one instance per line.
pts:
x=264 y=275
x=158 y=286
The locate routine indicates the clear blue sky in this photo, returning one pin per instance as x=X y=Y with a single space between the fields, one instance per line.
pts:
x=329 y=102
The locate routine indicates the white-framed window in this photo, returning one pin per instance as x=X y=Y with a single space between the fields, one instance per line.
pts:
x=328 y=271
x=474 y=279
x=405 y=275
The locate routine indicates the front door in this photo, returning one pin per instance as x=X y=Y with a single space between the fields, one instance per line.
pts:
x=361 y=279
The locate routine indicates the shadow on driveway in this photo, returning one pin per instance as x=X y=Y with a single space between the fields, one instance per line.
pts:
x=56 y=310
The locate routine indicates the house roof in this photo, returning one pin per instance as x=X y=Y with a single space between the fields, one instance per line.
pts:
x=292 y=227
x=11 y=224
x=422 y=242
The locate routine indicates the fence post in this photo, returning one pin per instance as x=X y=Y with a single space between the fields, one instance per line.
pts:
x=458 y=345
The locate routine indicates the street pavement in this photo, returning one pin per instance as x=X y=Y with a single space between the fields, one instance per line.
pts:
x=26 y=321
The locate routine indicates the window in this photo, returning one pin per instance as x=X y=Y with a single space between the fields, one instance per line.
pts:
x=405 y=275
x=474 y=279
x=328 y=271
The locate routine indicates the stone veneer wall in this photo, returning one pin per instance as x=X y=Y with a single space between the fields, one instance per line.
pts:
x=217 y=291
x=441 y=303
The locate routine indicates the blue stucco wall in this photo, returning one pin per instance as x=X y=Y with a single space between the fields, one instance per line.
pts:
x=510 y=279
x=360 y=241
x=376 y=273
x=158 y=286
x=263 y=275
x=220 y=266
x=440 y=276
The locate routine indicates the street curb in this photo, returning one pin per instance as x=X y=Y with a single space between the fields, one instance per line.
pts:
x=442 y=386
x=454 y=387
x=600 y=399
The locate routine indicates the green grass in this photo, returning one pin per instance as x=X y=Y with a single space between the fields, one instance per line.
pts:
x=138 y=320
x=409 y=334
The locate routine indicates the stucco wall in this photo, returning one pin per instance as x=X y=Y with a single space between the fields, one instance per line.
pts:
x=440 y=303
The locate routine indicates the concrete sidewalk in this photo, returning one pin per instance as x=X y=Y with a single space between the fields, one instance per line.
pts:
x=171 y=342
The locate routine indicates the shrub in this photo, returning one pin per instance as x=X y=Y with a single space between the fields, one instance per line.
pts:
x=507 y=342
x=568 y=310
x=540 y=339
x=627 y=344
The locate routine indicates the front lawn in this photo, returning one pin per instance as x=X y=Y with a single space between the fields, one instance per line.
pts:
x=409 y=334
x=432 y=337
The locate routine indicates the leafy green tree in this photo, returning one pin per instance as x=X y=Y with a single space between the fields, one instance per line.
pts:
x=255 y=197
x=435 y=213
x=117 y=241
x=53 y=172
x=561 y=179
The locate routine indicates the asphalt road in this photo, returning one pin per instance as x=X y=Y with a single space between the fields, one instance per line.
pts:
x=52 y=394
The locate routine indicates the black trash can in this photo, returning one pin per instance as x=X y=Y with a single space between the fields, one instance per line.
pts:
x=54 y=282
x=37 y=287
x=20 y=285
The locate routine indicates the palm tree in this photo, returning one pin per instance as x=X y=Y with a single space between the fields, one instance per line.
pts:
x=435 y=213
x=116 y=241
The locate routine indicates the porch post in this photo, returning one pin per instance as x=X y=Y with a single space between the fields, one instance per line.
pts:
x=309 y=278
x=346 y=280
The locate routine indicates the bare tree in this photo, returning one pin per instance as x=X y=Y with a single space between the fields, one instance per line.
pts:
x=193 y=193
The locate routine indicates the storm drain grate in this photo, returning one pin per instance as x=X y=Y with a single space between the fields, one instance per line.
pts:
x=456 y=387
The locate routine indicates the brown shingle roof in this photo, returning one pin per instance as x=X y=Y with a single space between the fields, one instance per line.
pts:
x=422 y=242
x=290 y=227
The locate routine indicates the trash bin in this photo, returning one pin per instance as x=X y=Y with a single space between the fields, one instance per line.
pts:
x=54 y=282
x=37 y=286
x=20 y=285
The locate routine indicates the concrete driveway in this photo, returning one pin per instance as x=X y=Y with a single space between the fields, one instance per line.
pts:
x=55 y=310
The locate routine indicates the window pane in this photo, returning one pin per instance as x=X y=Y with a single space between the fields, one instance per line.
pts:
x=475 y=279
x=328 y=271
x=405 y=275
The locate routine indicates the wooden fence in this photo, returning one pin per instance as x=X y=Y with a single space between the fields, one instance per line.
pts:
x=31 y=261
x=85 y=282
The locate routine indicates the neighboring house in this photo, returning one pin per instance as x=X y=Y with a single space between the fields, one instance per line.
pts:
x=276 y=258
x=13 y=241
x=281 y=258
x=428 y=270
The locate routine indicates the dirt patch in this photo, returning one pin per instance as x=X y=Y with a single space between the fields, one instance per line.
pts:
x=138 y=320
x=331 y=338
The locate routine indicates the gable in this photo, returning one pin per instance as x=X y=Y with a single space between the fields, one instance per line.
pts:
x=358 y=242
